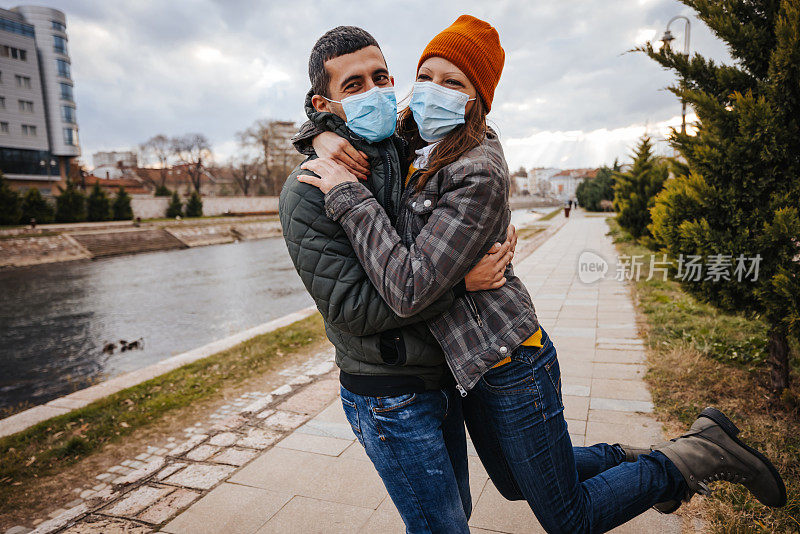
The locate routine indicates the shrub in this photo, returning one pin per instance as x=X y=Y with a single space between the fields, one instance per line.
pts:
x=636 y=189
x=175 y=208
x=590 y=193
x=34 y=206
x=70 y=204
x=10 y=204
x=122 y=206
x=162 y=191
x=98 y=207
x=194 y=207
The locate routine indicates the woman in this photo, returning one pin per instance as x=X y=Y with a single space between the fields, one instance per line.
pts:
x=454 y=207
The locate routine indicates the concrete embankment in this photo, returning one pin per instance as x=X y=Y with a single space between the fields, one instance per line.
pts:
x=56 y=243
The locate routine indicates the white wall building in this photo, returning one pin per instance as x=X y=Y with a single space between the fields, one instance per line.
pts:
x=38 y=126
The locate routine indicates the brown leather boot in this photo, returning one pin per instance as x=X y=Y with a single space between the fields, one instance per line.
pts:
x=711 y=451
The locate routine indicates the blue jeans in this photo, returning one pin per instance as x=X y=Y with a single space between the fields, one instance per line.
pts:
x=418 y=445
x=515 y=419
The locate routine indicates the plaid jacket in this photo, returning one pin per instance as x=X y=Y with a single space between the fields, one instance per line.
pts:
x=442 y=231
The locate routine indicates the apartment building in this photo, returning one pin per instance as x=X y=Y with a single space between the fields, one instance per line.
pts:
x=38 y=125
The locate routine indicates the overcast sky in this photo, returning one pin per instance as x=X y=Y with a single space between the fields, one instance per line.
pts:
x=570 y=95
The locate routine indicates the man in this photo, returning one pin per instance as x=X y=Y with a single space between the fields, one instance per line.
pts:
x=397 y=391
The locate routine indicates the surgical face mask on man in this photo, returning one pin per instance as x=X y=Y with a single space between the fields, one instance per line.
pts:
x=372 y=114
x=437 y=110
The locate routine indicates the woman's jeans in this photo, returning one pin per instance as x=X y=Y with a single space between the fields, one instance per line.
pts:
x=515 y=419
x=418 y=445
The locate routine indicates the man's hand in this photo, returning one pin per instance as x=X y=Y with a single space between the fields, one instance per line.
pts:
x=331 y=146
x=488 y=274
x=511 y=236
x=330 y=174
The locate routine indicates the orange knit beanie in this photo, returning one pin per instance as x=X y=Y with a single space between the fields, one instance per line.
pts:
x=473 y=46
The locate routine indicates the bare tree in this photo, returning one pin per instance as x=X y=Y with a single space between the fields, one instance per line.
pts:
x=190 y=150
x=245 y=171
x=157 y=149
x=272 y=139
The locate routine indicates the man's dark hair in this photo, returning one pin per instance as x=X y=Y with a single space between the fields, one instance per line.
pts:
x=336 y=42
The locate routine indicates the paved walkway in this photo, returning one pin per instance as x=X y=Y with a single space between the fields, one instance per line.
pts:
x=318 y=479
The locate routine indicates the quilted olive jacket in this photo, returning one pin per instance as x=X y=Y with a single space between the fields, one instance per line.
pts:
x=369 y=337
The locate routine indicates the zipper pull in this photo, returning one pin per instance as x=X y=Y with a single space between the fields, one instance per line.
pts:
x=461 y=390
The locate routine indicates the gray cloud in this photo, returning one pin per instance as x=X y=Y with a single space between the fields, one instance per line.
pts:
x=149 y=67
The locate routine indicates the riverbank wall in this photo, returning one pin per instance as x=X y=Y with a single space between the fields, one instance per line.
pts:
x=57 y=243
x=149 y=207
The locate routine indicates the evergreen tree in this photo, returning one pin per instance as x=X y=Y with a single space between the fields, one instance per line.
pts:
x=162 y=191
x=591 y=192
x=34 y=206
x=10 y=205
x=740 y=197
x=175 y=208
x=98 y=207
x=70 y=204
x=636 y=189
x=122 y=206
x=194 y=207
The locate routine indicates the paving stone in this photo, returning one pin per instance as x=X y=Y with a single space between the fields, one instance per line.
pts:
x=312 y=399
x=85 y=494
x=19 y=529
x=619 y=371
x=576 y=407
x=200 y=476
x=233 y=456
x=246 y=509
x=283 y=390
x=619 y=356
x=629 y=433
x=202 y=452
x=493 y=512
x=57 y=512
x=317 y=444
x=266 y=413
x=224 y=439
x=73 y=502
x=52 y=525
x=169 y=506
x=285 y=421
x=303 y=514
x=258 y=438
x=230 y=423
x=104 y=476
x=137 y=500
x=169 y=469
x=187 y=445
x=314 y=475
x=95 y=524
x=576 y=390
x=316 y=427
x=620 y=389
x=148 y=469
x=300 y=380
x=258 y=405
x=100 y=487
x=618 y=405
x=143 y=457
x=321 y=369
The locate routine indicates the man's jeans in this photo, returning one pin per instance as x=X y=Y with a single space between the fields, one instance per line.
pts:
x=516 y=421
x=418 y=445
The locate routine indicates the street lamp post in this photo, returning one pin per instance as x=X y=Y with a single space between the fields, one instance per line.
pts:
x=667 y=39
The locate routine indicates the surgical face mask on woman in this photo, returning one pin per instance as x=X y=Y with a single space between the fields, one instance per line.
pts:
x=437 y=110
x=372 y=114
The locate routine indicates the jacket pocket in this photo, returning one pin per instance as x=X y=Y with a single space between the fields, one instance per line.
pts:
x=393 y=347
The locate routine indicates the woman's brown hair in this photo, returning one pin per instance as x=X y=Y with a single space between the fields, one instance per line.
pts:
x=454 y=145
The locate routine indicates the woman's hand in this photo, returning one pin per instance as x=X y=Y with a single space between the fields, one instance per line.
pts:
x=330 y=174
x=488 y=274
x=331 y=146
